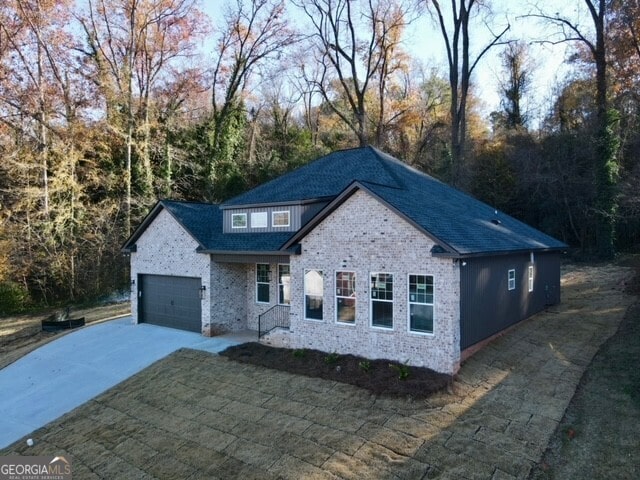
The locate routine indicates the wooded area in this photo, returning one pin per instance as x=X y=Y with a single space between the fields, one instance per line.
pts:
x=108 y=105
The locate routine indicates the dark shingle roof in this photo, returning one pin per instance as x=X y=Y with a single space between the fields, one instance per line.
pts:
x=458 y=222
x=325 y=177
x=204 y=222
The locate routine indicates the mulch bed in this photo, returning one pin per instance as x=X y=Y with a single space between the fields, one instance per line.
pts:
x=381 y=377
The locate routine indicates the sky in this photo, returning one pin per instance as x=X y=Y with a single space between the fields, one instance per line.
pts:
x=425 y=44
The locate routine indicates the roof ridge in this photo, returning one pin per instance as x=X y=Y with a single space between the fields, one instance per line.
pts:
x=379 y=156
x=187 y=202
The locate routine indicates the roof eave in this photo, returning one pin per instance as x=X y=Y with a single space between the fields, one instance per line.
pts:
x=129 y=245
x=499 y=253
x=281 y=253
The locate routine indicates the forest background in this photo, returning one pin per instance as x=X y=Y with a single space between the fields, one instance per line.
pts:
x=108 y=105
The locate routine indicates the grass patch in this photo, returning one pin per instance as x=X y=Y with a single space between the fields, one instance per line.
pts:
x=381 y=377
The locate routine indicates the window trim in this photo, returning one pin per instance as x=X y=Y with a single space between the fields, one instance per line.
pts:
x=246 y=222
x=335 y=297
x=409 y=302
x=304 y=294
x=530 y=278
x=511 y=282
x=263 y=283
x=279 y=284
x=392 y=302
x=260 y=215
x=273 y=214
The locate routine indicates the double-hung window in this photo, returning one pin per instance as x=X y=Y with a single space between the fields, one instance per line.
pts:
x=284 y=284
x=346 y=297
x=263 y=279
x=313 y=293
x=382 y=300
x=421 y=303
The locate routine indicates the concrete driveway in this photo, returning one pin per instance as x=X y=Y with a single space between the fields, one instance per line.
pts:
x=73 y=369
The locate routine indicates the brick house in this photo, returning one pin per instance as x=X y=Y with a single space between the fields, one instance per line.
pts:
x=354 y=253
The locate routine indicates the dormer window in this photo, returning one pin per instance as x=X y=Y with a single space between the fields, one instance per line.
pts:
x=259 y=220
x=239 y=220
x=280 y=219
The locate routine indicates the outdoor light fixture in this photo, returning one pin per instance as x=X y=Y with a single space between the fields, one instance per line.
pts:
x=133 y=282
x=203 y=289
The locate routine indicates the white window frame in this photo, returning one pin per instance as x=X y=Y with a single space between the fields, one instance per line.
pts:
x=280 y=265
x=371 y=300
x=234 y=215
x=273 y=219
x=263 y=283
x=409 y=302
x=511 y=279
x=336 y=297
x=530 y=278
x=259 y=220
x=304 y=292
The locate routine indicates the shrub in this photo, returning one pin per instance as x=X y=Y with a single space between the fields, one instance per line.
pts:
x=403 y=370
x=331 y=358
x=299 y=353
x=14 y=298
x=365 y=365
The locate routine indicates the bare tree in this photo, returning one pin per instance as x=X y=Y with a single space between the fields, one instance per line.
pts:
x=133 y=47
x=254 y=32
x=456 y=33
x=354 y=44
x=606 y=163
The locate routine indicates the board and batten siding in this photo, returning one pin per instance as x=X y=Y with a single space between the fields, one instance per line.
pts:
x=295 y=213
x=298 y=216
x=487 y=306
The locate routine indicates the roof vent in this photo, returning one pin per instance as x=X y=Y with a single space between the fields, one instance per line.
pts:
x=495 y=221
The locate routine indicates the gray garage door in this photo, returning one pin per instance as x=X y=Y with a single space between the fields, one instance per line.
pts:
x=170 y=301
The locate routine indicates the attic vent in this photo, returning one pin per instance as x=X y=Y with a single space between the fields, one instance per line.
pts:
x=495 y=221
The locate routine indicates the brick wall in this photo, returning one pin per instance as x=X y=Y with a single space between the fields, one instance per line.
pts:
x=364 y=236
x=165 y=248
x=228 y=296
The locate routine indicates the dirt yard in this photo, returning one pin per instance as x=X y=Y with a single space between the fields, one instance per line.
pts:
x=21 y=334
x=195 y=415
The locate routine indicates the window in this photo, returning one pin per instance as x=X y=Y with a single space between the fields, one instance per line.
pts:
x=382 y=300
x=259 y=220
x=346 y=297
x=313 y=293
x=512 y=280
x=263 y=278
x=280 y=219
x=531 y=278
x=421 y=303
x=284 y=284
x=238 y=220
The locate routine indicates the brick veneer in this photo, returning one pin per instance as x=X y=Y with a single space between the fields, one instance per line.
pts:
x=165 y=248
x=365 y=236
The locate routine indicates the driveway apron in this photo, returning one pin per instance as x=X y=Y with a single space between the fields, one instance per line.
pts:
x=71 y=370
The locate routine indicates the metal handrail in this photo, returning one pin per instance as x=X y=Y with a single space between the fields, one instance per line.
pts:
x=276 y=316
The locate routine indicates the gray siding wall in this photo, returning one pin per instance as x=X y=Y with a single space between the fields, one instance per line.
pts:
x=487 y=306
x=295 y=213
x=299 y=215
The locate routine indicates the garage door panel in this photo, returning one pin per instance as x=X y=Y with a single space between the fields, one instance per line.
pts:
x=170 y=301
